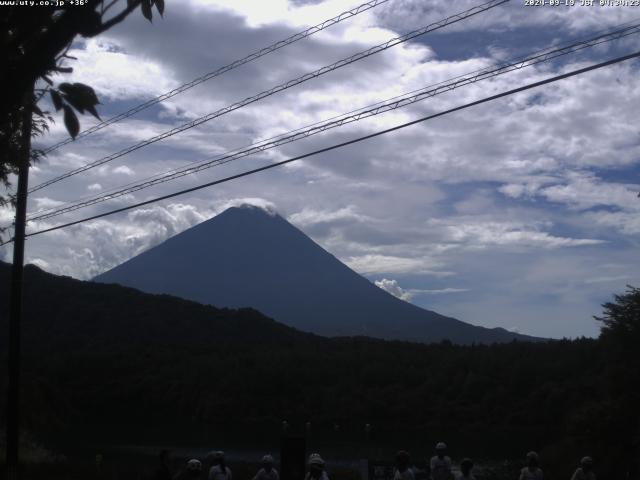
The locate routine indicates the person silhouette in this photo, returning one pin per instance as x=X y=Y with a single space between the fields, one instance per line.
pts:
x=403 y=470
x=267 y=472
x=440 y=464
x=585 y=470
x=532 y=471
x=219 y=470
x=316 y=468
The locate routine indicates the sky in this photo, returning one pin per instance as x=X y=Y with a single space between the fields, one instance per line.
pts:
x=521 y=213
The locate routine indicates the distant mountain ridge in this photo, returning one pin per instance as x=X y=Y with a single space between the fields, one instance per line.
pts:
x=248 y=257
x=62 y=313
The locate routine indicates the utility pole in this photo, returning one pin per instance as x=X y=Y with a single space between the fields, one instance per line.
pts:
x=15 y=302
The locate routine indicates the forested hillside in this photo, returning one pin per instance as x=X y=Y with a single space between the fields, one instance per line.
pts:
x=101 y=359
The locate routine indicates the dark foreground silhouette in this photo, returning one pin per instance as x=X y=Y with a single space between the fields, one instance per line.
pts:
x=106 y=365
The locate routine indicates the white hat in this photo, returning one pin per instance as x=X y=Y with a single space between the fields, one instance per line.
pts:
x=441 y=446
x=316 y=459
x=194 y=465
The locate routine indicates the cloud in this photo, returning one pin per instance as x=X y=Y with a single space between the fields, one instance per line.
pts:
x=627 y=223
x=117 y=75
x=38 y=262
x=441 y=291
x=91 y=248
x=583 y=191
x=42 y=203
x=124 y=170
x=477 y=234
x=372 y=264
x=606 y=279
x=507 y=17
x=392 y=287
x=309 y=216
x=265 y=205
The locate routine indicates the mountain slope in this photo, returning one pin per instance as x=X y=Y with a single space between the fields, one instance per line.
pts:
x=248 y=257
x=62 y=313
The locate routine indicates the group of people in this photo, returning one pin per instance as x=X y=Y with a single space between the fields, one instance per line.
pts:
x=440 y=467
x=193 y=469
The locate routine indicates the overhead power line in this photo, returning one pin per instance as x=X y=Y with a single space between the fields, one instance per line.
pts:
x=291 y=83
x=536 y=58
x=544 y=55
x=208 y=76
x=344 y=144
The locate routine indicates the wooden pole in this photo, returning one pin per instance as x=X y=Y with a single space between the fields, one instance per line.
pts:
x=15 y=301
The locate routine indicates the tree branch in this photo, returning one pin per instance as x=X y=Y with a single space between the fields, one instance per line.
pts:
x=106 y=9
x=118 y=18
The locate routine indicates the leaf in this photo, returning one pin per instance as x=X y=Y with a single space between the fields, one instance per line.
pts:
x=145 y=6
x=75 y=103
x=82 y=97
x=71 y=121
x=65 y=87
x=160 y=6
x=47 y=79
x=56 y=99
x=92 y=110
x=37 y=110
x=90 y=24
x=64 y=69
x=86 y=93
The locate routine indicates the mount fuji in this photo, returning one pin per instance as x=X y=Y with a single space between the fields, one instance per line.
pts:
x=249 y=257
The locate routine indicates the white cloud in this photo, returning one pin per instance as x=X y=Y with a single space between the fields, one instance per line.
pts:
x=116 y=74
x=627 y=223
x=38 y=262
x=124 y=170
x=507 y=17
x=584 y=191
x=441 y=291
x=262 y=203
x=91 y=248
x=45 y=203
x=392 y=287
x=484 y=234
x=309 y=216
x=372 y=264
x=6 y=215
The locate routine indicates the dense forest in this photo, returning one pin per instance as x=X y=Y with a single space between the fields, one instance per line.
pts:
x=108 y=363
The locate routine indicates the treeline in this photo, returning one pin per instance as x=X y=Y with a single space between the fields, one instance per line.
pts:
x=113 y=363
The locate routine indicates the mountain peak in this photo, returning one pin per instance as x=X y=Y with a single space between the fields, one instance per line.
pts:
x=241 y=208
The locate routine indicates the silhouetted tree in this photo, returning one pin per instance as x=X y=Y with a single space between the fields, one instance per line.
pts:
x=620 y=335
x=33 y=46
x=621 y=318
